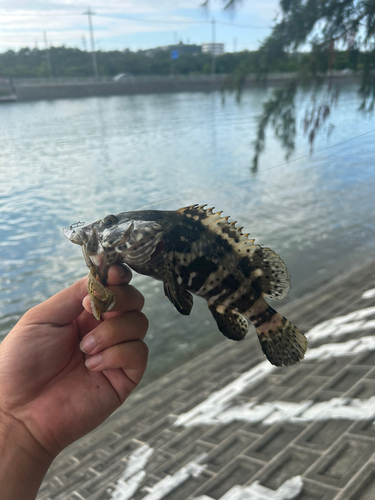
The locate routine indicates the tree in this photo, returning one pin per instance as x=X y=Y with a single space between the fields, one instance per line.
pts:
x=326 y=29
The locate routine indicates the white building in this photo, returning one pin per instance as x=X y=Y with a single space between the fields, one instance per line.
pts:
x=213 y=48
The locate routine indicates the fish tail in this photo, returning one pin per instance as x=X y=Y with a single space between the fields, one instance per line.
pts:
x=281 y=341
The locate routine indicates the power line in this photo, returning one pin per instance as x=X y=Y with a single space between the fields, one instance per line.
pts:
x=242 y=178
x=252 y=26
x=319 y=150
x=165 y=21
x=121 y=17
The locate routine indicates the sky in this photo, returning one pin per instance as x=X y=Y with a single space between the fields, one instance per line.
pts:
x=133 y=24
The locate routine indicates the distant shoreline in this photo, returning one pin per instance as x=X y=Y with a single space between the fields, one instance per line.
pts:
x=48 y=89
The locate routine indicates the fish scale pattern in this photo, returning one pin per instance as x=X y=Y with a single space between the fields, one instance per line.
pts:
x=229 y=425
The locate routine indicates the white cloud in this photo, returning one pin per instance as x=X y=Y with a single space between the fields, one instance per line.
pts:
x=23 y=21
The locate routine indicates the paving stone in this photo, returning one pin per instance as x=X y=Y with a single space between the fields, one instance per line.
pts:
x=346 y=378
x=256 y=428
x=271 y=394
x=229 y=449
x=292 y=462
x=166 y=402
x=185 y=437
x=162 y=439
x=238 y=472
x=119 y=453
x=126 y=430
x=332 y=366
x=367 y=358
x=73 y=496
x=194 y=400
x=219 y=433
x=188 y=488
x=322 y=395
x=304 y=389
x=364 y=389
x=343 y=460
x=321 y=435
x=291 y=377
x=101 y=482
x=157 y=463
x=364 y=428
x=253 y=391
x=79 y=476
x=95 y=457
x=156 y=428
x=314 y=491
x=62 y=464
x=222 y=379
x=362 y=487
x=274 y=441
x=111 y=439
x=185 y=456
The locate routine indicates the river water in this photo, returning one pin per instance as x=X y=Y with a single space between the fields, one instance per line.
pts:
x=81 y=159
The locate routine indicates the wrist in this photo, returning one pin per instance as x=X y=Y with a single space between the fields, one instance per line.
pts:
x=23 y=462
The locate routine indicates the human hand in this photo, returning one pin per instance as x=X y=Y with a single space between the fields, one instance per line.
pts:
x=47 y=392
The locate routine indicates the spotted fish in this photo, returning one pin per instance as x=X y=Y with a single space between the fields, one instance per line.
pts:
x=196 y=251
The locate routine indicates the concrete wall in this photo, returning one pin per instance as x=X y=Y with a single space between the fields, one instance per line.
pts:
x=30 y=92
x=137 y=85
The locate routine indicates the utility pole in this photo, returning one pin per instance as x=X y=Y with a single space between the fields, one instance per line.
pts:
x=213 y=55
x=84 y=44
x=235 y=44
x=89 y=13
x=48 y=55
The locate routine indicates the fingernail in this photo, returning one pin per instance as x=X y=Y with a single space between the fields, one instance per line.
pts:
x=88 y=344
x=94 y=361
x=120 y=271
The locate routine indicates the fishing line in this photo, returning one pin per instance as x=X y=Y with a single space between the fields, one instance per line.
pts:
x=243 y=178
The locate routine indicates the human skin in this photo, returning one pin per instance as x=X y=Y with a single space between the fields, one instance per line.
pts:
x=49 y=394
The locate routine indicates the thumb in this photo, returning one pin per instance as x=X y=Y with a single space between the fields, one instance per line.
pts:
x=60 y=309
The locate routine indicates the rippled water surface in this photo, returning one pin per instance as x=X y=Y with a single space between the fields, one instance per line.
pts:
x=69 y=160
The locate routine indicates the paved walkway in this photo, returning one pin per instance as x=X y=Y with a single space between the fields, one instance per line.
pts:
x=229 y=426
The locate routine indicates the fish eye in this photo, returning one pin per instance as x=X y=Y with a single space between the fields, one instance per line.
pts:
x=109 y=220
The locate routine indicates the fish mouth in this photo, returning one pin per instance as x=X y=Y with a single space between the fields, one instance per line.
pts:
x=96 y=257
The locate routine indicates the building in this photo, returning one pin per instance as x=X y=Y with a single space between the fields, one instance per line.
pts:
x=181 y=47
x=217 y=49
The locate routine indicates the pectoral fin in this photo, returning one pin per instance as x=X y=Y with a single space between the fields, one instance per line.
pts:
x=180 y=298
x=231 y=324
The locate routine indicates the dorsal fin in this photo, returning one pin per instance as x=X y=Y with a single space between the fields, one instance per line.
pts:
x=262 y=265
x=215 y=222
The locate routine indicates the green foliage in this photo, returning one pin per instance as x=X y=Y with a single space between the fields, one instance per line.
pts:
x=73 y=62
x=279 y=110
x=333 y=34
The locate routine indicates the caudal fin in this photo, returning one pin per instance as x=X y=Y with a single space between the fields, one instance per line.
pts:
x=281 y=341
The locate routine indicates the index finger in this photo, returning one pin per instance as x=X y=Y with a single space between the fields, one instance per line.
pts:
x=128 y=299
x=119 y=275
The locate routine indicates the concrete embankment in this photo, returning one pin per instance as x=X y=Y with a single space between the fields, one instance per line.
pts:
x=29 y=90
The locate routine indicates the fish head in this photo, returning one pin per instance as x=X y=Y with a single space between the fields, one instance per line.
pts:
x=117 y=238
